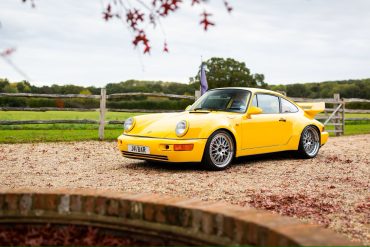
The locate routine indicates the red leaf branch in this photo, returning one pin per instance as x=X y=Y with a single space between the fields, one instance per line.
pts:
x=205 y=20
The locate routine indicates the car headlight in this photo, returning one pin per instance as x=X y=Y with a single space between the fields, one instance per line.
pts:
x=181 y=128
x=129 y=124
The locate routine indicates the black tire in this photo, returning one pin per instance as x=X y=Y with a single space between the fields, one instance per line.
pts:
x=219 y=151
x=309 y=144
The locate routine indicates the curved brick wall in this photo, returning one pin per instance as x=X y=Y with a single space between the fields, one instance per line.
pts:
x=183 y=221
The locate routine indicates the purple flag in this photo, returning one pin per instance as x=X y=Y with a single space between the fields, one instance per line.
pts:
x=203 y=80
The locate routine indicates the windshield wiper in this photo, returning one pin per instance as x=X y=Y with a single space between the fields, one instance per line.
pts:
x=200 y=108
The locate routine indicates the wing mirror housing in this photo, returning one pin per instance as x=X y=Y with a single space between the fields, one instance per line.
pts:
x=254 y=110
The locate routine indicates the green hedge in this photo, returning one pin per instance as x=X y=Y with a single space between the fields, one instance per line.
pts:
x=150 y=104
x=358 y=105
x=162 y=104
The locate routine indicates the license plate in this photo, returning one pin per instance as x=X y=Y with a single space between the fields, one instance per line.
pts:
x=138 y=149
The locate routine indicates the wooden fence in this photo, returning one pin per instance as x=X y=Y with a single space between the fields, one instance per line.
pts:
x=333 y=116
x=103 y=97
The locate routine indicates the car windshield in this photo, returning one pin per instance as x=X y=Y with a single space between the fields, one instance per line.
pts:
x=232 y=100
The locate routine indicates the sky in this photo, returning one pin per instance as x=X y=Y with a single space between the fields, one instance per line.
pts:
x=289 y=41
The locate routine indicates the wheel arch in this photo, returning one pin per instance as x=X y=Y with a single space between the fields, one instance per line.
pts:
x=233 y=139
x=232 y=136
x=313 y=125
x=308 y=125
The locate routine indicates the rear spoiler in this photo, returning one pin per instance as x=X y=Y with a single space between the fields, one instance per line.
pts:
x=312 y=109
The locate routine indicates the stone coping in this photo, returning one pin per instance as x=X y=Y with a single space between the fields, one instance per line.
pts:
x=186 y=221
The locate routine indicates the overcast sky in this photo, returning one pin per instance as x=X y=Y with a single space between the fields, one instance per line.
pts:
x=287 y=40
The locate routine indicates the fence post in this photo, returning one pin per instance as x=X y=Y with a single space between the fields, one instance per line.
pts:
x=282 y=92
x=103 y=98
x=197 y=94
x=337 y=121
x=343 y=115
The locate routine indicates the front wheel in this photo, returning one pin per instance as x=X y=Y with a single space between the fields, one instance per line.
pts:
x=219 y=151
x=309 y=144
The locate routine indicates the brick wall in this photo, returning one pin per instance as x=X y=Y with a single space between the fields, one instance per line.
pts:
x=182 y=220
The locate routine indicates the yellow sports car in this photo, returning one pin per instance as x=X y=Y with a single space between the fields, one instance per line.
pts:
x=225 y=123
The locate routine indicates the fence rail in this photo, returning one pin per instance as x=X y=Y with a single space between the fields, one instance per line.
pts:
x=329 y=100
x=336 y=117
x=71 y=121
x=44 y=109
x=39 y=95
x=160 y=95
x=82 y=121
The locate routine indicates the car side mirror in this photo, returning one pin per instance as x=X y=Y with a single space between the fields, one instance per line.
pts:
x=254 y=110
x=188 y=107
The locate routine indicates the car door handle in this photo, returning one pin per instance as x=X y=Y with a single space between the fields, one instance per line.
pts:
x=282 y=120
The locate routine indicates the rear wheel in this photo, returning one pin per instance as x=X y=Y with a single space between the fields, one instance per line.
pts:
x=310 y=142
x=219 y=151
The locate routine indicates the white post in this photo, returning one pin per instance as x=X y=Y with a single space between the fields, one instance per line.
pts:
x=197 y=94
x=103 y=99
x=282 y=92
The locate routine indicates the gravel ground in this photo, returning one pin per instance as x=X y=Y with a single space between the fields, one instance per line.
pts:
x=333 y=189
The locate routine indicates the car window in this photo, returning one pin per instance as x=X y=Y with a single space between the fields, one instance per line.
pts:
x=231 y=100
x=287 y=107
x=268 y=103
x=216 y=101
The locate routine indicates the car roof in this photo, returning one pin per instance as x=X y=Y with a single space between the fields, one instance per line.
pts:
x=251 y=89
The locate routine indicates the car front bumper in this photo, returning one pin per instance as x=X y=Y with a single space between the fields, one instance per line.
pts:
x=162 y=149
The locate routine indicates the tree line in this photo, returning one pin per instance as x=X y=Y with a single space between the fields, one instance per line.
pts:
x=137 y=102
x=220 y=72
x=346 y=88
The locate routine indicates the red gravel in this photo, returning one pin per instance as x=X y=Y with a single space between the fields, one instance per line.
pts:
x=332 y=189
x=55 y=235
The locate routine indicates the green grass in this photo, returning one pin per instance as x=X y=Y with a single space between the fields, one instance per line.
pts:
x=58 y=132
x=69 y=115
x=358 y=115
x=352 y=128
x=54 y=135
x=355 y=129
x=80 y=132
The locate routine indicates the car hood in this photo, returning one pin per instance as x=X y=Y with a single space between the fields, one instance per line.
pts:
x=163 y=125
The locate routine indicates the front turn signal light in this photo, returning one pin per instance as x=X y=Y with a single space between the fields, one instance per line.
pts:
x=183 y=147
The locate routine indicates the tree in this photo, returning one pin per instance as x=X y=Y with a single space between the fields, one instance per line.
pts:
x=11 y=88
x=346 y=89
x=3 y=84
x=24 y=87
x=297 y=90
x=85 y=92
x=230 y=73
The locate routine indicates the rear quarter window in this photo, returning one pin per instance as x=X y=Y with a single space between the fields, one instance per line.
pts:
x=287 y=107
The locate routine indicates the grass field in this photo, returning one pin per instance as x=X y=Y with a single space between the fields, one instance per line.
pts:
x=58 y=132
x=48 y=115
x=77 y=132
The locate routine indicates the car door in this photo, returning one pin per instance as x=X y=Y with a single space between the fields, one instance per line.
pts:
x=267 y=129
x=287 y=113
